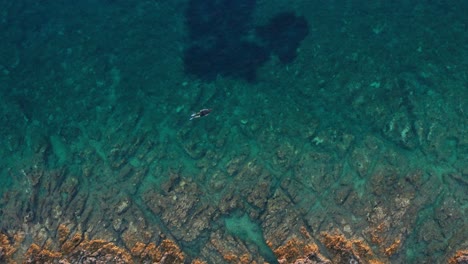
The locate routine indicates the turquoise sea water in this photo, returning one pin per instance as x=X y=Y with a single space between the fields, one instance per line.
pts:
x=334 y=116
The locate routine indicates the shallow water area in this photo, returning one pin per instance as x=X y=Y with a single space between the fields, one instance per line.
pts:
x=338 y=132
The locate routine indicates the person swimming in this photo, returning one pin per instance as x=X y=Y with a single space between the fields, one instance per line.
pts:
x=201 y=113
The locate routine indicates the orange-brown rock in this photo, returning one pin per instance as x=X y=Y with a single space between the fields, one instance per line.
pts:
x=197 y=261
x=18 y=238
x=233 y=258
x=151 y=251
x=375 y=261
x=290 y=251
x=63 y=233
x=304 y=232
x=6 y=248
x=245 y=259
x=76 y=247
x=138 y=249
x=460 y=256
x=362 y=248
x=230 y=258
x=72 y=243
x=104 y=247
x=392 y=248
x=376 y=233
x=167 y=250
x=36 y=254
x=347 y=248
x=295 y=249
x=337 y=242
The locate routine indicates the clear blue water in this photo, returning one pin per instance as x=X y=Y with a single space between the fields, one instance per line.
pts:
x=327 y=115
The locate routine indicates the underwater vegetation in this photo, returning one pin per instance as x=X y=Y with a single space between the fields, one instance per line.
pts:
x=347 y=145
x=221 y=41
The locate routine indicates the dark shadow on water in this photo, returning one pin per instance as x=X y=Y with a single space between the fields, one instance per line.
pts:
x=283 y=35
x=234 y=59
x=223 y=42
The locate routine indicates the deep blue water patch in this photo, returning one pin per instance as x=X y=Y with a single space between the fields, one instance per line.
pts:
x=235 y=59
x=223 y=40
x=283 y=34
